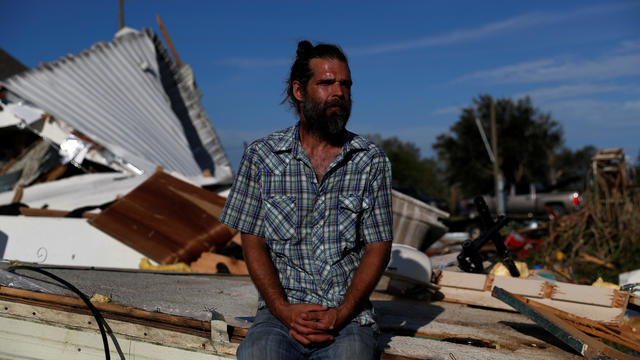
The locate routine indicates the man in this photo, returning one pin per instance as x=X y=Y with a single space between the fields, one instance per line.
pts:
x=313 y=204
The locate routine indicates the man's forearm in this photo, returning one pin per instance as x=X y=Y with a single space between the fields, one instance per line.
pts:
x=262 y=271
x=373 y=264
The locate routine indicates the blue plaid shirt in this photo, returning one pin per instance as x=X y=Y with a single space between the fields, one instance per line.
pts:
x=316 y=232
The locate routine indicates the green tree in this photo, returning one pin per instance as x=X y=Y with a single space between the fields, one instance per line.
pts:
x=527 y=141
x=409 y=169
x=569 y=168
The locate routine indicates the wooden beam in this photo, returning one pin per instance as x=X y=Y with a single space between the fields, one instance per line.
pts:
x=108 y=310
x=121 y=13
x=55 y=173
x=17 y=196
x=168 y=40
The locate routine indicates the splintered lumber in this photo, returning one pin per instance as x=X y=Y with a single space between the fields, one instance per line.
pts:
x=612 y=333
x=167 y=220
x=606 y=306
x=210 y=262
x=589 y=347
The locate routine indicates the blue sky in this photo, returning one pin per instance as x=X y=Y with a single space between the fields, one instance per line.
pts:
x=414 y=64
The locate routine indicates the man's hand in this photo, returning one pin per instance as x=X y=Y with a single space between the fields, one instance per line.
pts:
x=299 y=319
x=331 y=319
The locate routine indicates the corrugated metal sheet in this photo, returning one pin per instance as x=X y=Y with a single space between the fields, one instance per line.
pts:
x=128 y=96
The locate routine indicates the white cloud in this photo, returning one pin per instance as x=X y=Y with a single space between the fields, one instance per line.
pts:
x=567 y=91
x=632 y=105
x=246 y=62
x=600 y=123
x=454 y=36
x=598 y=116
x=517 y=22
x=455 y=109
x=629 y=45
x=610 y=67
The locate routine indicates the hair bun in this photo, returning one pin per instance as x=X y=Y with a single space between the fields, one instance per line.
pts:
x=304 y=47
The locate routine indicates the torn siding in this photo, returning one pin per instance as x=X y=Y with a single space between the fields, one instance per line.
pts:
x=119 y=93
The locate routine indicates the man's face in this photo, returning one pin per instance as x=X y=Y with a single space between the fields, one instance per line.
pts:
x=326 y=104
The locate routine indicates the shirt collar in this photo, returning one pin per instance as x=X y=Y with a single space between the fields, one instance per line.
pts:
x=288 y=141
x=291 y=141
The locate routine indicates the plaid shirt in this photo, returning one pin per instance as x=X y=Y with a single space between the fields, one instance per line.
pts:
x=316 y=232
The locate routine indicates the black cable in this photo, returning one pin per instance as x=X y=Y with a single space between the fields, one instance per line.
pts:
x=94 y=311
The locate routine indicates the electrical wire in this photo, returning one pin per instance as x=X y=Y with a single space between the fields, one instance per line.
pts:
x=96 y=314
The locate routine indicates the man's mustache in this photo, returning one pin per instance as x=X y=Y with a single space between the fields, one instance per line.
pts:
x=342 y=103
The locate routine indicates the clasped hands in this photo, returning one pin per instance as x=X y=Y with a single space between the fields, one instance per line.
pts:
x=311 y=323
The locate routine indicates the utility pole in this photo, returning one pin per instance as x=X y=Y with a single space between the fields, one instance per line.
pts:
x=499 y=196
x=121 y=14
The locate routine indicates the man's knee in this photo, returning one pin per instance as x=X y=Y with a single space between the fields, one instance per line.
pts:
x=266 y=345
x=268 y=339
x=354 y=343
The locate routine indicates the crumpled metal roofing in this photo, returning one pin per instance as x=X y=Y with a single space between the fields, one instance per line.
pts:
x=128 y=96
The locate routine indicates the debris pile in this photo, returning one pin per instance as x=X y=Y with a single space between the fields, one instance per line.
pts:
x=604 y=236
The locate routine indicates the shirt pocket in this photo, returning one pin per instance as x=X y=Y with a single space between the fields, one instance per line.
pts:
x=280 y=218
x=350 y=209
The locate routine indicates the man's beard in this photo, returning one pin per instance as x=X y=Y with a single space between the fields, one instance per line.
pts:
x=329 y=127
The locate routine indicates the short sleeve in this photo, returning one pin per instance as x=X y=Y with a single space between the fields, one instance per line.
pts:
x=377 y=220
x=243 y=209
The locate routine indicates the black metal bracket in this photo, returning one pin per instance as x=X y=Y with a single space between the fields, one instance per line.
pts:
x=469 y=259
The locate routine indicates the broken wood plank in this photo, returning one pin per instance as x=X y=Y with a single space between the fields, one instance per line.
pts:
x=589 y=347
x=604 y=315
x=590 y=327
x=590 y=295
x=603 y=305
x=461 y=280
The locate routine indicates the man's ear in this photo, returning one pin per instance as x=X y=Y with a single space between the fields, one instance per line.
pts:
x=298 y=90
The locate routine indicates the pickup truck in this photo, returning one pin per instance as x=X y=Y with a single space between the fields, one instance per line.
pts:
x=534 y=202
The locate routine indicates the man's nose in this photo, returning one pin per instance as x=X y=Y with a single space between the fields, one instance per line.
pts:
x=337 y=90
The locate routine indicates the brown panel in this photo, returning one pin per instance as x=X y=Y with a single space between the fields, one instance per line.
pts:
x=167 y=220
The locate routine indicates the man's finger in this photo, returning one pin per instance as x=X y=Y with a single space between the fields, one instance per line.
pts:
x=305 y=329
x=315 y=325
x=316 y=315
x=319 y=338
x=314 y=307
x=298 y=337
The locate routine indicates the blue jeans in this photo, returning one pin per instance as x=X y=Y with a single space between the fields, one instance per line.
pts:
x=268 y=339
